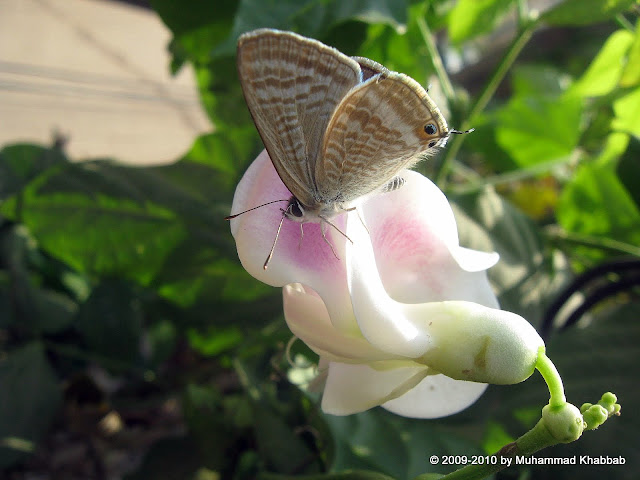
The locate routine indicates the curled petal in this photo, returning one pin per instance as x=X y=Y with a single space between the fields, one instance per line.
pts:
x=308 y=319
x=463 y=340
x=355 y=388
x=436 y=396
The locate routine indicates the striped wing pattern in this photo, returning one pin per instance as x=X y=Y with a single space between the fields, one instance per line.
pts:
x=292 y=85
x=377 y=130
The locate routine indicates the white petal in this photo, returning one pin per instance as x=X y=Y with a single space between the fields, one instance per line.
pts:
x=308 y=319
x=436 y=396
x=380 y=318
x=356 y=388
x=415 y=240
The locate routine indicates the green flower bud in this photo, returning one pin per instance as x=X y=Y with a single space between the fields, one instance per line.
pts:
x=564 y=422
x=480 y=344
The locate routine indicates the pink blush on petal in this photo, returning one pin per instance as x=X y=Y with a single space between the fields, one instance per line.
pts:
x=311 y=251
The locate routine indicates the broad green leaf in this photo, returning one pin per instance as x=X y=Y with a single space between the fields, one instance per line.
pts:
x=96 y=220
x=595 y=203
x=525 y=277
x=627 y=113
x=29 y=400
x=584 y=12
x=21 y=163
x=604 y=72
x=539 y=129
x=470 y=18
x=311 y=18
x=631 y=73
x=110 y=322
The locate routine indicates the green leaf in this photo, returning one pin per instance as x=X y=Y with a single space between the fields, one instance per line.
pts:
x=311 y=18
x=29 y=400
x=596 y=203
x=584 y=12
x=631 y=73
x=21 y=163
x=94 y=218
x=110 y=322
x=470 y=18
x=604 y=72
x=496 y=438
x=538 y=129
x=525 y=277
x=628 y=170
x=215 y=340
x=627 y=113
x=399 y=447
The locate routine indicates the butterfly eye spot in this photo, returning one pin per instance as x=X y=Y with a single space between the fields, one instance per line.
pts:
x=430 y=129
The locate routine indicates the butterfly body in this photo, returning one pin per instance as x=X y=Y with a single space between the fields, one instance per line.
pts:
x=336 y=128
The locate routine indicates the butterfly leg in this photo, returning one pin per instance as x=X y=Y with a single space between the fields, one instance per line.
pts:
x=324 y=236
x=301 y=237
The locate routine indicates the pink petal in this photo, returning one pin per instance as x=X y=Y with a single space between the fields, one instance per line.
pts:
x=415 y=240
x=306 y=259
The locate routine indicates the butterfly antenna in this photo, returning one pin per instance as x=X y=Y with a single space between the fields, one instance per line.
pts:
x=259 y=206
x=275 y=240
x=458 y=132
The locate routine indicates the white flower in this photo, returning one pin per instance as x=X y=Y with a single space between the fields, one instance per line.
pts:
x=403 y=317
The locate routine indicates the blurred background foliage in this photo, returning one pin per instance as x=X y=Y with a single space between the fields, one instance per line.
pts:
x=131 y=335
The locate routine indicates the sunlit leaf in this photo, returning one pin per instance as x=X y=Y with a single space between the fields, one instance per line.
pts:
x=605 y=70
x=470 y=18
x=627 y=113
x=538 y=129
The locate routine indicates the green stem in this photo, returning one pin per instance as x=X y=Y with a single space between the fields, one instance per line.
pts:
x=478 y=182
x=615 y=246
x=438 y=65
x=489 y=90
x=552 y=378
x=624 y=23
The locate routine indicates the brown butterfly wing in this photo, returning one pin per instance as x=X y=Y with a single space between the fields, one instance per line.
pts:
x=377 y=130
x=292 y=85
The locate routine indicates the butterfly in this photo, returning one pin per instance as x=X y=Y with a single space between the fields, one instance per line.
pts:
x=336 y=128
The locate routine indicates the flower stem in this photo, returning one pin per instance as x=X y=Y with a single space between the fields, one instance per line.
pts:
x=489 y=90
x=557 y=234
x=436 y=59
x=552 y=378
